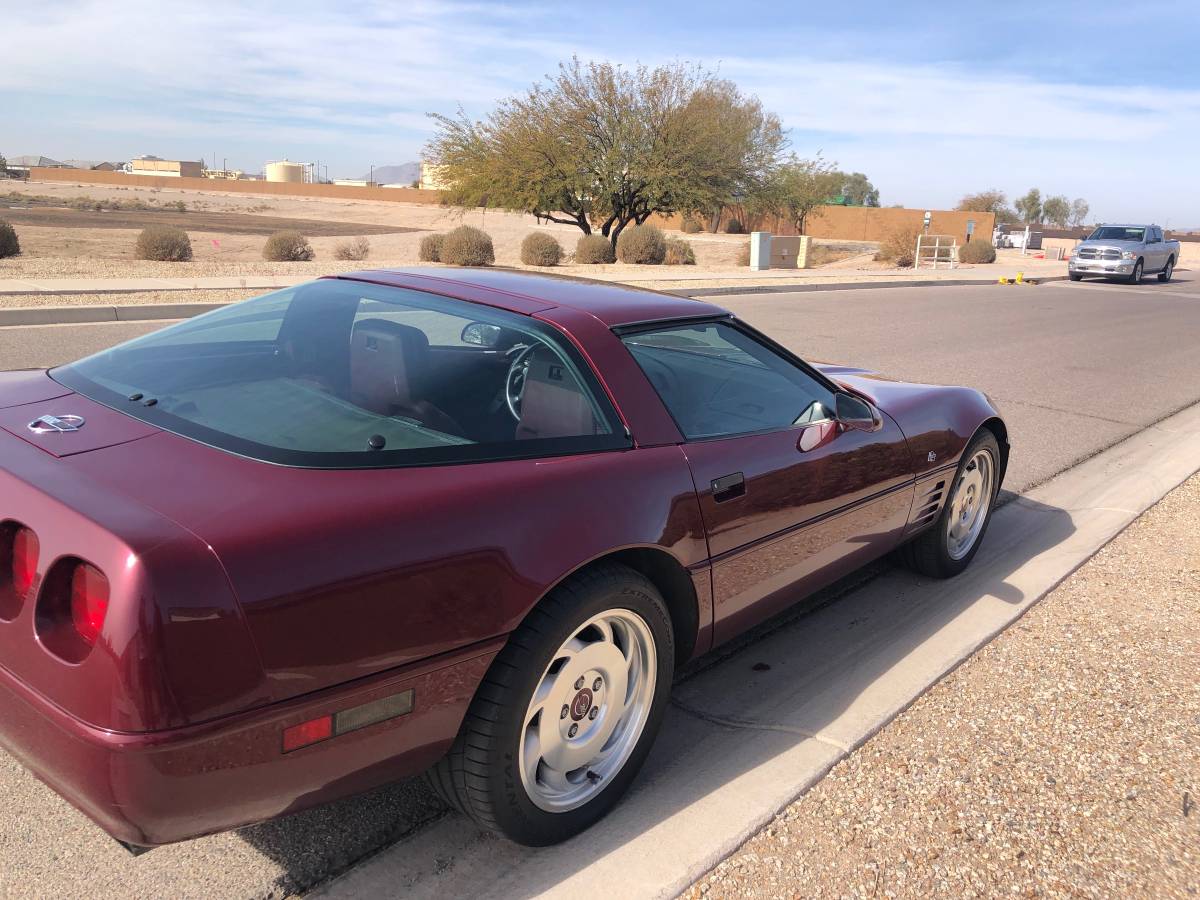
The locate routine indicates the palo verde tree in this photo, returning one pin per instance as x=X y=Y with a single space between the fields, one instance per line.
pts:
x=1057 y=211
x=993 y=201
x=795 y=188
x=1029 y=207
x=600 y=147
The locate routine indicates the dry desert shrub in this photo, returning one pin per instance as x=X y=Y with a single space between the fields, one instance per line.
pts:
x=641 y=245
x=288 y=246
x=679 y=253
x=899 y=247
x=353 y=250
x=743 y=257
x=691 y=225
x=594 y=249
x=467 y=246
x=735 y=226
x=540 y=249
x=163 y=243
x=977 y=252
x=431 y=248
x=9 y=245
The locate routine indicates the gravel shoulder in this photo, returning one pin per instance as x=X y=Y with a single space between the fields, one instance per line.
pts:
x=1061 y=760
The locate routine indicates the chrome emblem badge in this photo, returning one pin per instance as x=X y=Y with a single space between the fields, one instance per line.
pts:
x=932 y=457
x=55 y=424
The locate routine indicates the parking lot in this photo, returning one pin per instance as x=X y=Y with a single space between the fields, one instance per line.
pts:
x=1076 y=368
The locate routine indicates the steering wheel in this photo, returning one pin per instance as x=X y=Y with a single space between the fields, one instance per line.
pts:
x=514 y=381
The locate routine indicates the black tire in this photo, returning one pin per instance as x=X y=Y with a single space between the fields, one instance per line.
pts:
x=1165 y=274
x=1075 y=277
x=1135 y=277
x=480 y=776
x=928 y=553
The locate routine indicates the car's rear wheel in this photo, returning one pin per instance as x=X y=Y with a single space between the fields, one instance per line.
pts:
x=568 y=711
x=947 y=548
x=1168 y=271
x=1136 y=276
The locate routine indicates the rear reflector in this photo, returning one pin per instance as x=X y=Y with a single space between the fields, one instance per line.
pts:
x=306 y=733
x=346 y=720
x=24 y=561
x=89 y=601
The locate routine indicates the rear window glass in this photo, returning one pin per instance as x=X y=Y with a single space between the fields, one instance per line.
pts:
x=347 y=374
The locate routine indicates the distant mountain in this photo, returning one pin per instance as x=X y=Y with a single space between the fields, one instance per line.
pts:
x=402 y=174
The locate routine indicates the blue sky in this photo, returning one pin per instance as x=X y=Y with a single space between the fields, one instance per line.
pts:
x=1097 y=100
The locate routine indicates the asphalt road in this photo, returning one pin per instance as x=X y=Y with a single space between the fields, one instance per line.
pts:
x=1075 y=368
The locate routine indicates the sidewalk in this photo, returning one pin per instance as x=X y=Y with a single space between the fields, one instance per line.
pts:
x=1059 y=761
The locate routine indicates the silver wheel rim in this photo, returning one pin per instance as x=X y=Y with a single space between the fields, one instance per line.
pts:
x=588 y=710
x=970 y=504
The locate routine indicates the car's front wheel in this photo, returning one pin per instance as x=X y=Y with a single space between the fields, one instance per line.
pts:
x=568 y=711
x=947 y=548
x=1136 y=276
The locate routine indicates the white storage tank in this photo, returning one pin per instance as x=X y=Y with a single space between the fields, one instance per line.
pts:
x=285 y=171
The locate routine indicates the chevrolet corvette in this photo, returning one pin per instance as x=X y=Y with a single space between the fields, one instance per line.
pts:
x=457 y=522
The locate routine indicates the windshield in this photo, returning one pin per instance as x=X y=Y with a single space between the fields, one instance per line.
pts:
x=1117 y=233
x=348 y=374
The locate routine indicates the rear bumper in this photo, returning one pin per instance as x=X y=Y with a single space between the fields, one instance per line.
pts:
x=158 y=787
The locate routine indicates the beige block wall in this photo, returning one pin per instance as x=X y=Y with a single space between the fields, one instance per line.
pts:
x=271 y=188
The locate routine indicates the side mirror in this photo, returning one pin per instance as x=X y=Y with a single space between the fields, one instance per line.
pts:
x=481 y=334
x=855 y=414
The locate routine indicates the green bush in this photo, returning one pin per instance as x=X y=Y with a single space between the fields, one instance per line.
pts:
x=735 y=226
x=679 y=253
x=641 y=245
x=353 y=250
x=743 y=257
x=691 y=225
x=467 y=246
x=540 y=249
x=9 y=245
x=431 y=248
x=288 y=246
x=164 y=243
x=977 y=252
x=594 y=249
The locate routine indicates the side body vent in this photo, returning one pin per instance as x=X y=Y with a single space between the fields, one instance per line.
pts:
x=927 y=502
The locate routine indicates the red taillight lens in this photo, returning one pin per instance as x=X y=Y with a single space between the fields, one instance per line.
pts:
x=89 y=601
x=24 y=561
x=306 y=733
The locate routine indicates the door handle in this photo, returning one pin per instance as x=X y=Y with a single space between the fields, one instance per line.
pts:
x=728 y=487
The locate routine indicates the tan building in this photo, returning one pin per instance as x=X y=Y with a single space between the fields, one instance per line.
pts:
x=431 y=177
x=168 y=168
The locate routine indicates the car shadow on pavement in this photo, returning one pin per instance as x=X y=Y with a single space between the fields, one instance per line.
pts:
x=816 y=674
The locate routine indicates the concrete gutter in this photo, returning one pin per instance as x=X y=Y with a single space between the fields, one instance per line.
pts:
x=70 y=315
x=57 y=286
x=759 y=726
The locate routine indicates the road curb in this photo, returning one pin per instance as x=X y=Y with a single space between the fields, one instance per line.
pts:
x=77 y=315
x=848 y=286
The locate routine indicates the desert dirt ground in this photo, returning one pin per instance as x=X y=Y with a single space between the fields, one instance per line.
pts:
x=1060 y=761
x=228 y=231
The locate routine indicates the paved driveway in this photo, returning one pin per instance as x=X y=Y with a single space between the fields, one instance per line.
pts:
x=1075 y=367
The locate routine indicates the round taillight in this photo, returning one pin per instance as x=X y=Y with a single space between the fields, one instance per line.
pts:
x=24 y=561
x=89 y=601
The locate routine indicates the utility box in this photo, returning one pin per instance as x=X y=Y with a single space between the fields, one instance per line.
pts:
x=760 y=250
x=788 y=252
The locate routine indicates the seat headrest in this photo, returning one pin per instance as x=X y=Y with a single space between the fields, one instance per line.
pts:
x=388 y=365
x=553 y=403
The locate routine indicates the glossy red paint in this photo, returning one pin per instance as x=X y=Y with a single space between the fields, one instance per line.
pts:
x=247 y=598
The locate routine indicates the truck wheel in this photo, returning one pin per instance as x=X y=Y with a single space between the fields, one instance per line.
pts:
x=1075 y=277
x=565 y=716
x=1136 y=277
x=1165 y=274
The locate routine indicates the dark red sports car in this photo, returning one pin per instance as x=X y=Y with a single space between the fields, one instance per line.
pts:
x=468 y=520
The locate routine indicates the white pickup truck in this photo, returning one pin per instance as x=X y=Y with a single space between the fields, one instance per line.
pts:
x=1124 y=251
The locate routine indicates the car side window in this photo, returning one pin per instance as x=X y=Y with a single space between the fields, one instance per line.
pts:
x=717 y=381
